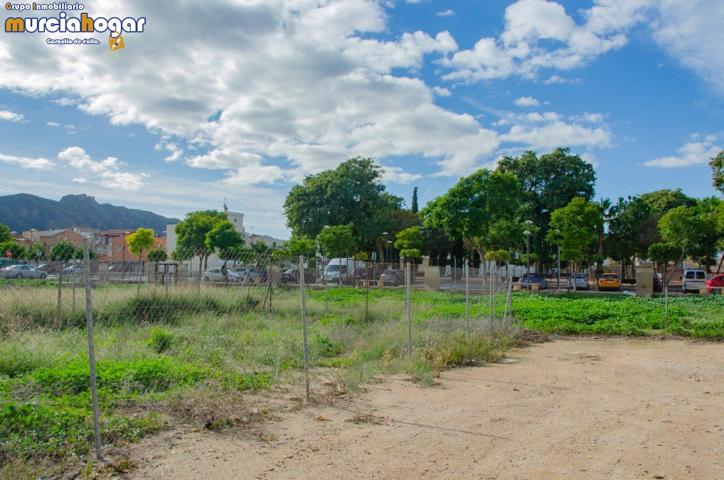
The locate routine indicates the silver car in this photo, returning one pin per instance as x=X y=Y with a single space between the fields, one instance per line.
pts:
x=216 y=275
x=21 y=271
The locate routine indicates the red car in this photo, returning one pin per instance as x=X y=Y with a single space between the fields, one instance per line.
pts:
x=716 y=284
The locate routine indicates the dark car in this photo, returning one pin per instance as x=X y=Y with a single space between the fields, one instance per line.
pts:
x=528 y=280
x=290 y=275
x=392 y=277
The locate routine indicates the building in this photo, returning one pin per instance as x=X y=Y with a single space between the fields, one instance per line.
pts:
x=116 y=248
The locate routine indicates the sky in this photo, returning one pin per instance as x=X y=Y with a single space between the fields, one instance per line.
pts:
x=239 y=100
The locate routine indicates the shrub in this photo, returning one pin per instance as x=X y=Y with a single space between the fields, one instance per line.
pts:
x=160 y=340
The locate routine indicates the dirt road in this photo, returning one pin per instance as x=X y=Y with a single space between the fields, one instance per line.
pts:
x=569 y=409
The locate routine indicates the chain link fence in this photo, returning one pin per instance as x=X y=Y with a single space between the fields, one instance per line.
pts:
x=314 y=315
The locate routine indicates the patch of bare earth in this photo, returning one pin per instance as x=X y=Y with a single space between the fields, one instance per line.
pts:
x=569 y=409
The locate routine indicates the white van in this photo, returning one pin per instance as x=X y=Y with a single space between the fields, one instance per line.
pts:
x=693 y=280
x=341 y=269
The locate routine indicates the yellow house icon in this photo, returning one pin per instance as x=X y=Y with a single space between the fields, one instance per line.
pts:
x=116 y=43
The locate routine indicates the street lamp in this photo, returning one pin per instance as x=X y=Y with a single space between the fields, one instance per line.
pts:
x=527 y=234
x=558 y=241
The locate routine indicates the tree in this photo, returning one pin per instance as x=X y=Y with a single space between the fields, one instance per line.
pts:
x=337 y=241
x=574 y=228
x=37 y=251
x=62 y=252
x=191 y=235
x=5 y=233
x=414 y=207
x=694 y=229
x=12 y=249
x=631 y=229
x=662 y=254
x=301 y=245
x=351 y=194
x=474 y=206
x=717 y=170
x=140 y=241
x=157 y=255
x=549 y=182
x=409 y=242
x=223 y=238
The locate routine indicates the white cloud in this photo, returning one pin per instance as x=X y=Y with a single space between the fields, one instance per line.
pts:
x=446 y=13
x=398 y=175
x=540 y=35
x=52 y=124
x=691 y=31
x=691 y=154
x=8 y=116
x=107 y=171
x=526 y=102
x=441 y=91
x=27 y=162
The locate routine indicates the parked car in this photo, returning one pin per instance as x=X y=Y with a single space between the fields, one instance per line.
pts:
x=609 y=281
x=290 y=275
x=73 y=270
x=528 y=280
x=392 y=277
x=216 y=275
x=693 y=280
x=581 y=281
x=715 y=284
x=21 y=271
x=248 y=275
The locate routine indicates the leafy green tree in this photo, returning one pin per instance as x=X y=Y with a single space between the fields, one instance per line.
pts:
x=5 y=233
x=13 y=249
x=191 y=235
x=717 y=170
x=694 y=229
x=337 y=241
x=352 y=194
x=663 y=254
x=409 y=242
x=661 y=201
x=37 y=251
x=574 y=227
x=414 y=207
x=302 y=245
x=140 y=241
x=62 y=252
x=472 y=207
x=549 y=182
x=157 y=255
x=223 y=238
x=631 y=228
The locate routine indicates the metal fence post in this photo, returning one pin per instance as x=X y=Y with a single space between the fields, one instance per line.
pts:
x=491 y=311
x=59 y=299
x=91 y=349
x=508 y=297
x=304 y=329
x=408 y=308
x=467 y=300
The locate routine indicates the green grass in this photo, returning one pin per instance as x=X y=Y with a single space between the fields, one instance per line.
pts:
x=155 y=351
x=692 y=316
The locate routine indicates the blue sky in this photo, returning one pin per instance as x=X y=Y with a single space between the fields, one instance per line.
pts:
x=261 y=93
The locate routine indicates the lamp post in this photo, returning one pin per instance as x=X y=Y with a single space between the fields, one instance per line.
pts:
x=558 y=272
x=384 y=236
x=527 y=234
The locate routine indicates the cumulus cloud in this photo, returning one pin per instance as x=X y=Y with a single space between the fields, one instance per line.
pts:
x=526 y=102
x=690 y=154
x=27 y=162
x=446 y=13
x=107 y=171
x=8 y=116
x=540 y=35
x=398 y=175
x=280 y=89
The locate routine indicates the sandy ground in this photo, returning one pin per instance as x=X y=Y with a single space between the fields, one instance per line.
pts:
x=568 y=409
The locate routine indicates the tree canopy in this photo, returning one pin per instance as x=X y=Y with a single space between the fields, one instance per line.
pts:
x=717 y=170
x=549 y=182
x=352 y=194
x=140 y=241
x=337 y=241
x=5 y=233
x=574 y=227
x=191 y=232
x=475 y=207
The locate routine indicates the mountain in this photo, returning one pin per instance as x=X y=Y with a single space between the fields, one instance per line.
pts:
x=24 y=211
